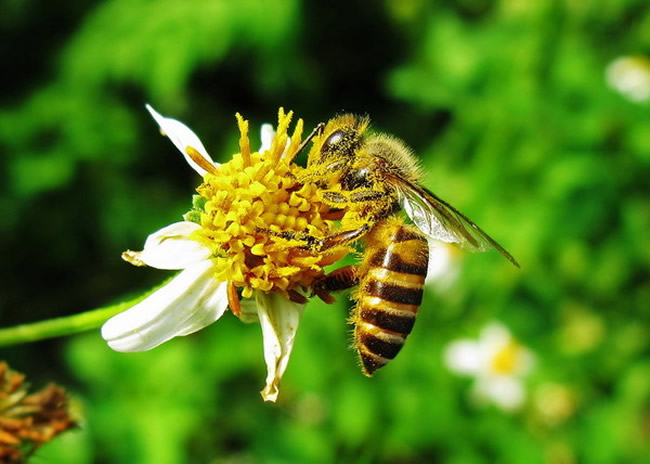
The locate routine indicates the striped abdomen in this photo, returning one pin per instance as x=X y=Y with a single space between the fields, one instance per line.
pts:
x=390 y=291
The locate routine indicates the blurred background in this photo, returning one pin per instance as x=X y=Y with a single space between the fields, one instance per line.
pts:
x=530 y=117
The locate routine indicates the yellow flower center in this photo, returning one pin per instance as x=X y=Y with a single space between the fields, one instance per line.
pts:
x=259 y=221
x=507 y=359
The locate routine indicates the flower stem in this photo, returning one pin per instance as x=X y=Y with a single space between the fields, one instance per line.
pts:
x=66 y=325
x=59 y=326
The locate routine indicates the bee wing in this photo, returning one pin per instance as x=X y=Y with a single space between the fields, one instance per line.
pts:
x=438 y=220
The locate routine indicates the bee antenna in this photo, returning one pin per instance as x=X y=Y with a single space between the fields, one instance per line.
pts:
x=318 y=130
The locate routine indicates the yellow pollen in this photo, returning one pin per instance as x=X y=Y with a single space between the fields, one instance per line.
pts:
x=259 y=222
x=507 y=359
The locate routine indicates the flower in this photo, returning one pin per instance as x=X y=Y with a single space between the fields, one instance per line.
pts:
x=497 y=362
x=444 y=264
x=247 y=232
x=630 y=76
x=27 y=421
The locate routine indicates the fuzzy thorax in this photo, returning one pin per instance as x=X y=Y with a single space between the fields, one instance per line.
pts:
x=259 y=221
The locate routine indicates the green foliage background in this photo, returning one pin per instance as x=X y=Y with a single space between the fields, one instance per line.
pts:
x=506 y=104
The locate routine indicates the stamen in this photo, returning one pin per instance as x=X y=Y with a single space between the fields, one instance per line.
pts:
x=280 y=140
x=506 y=359
x=233 y=299
x=294 y=148
x=244 y=143
x=200 y=160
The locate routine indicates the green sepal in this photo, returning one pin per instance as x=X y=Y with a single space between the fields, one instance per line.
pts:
x=192 y=216
x=198 y=207
x=198 y=203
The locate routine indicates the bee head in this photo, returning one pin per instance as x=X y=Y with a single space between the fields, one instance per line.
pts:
x=339 y=141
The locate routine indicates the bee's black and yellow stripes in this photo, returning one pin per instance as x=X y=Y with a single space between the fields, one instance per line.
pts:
x=390 y=291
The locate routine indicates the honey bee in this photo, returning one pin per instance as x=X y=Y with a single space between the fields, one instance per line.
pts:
x=366 y=179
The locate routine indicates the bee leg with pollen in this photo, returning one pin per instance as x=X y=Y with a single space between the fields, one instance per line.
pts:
x=340 y=279
x=338 y=199
x=343 y=238
x=327 y=243
x=318 y=130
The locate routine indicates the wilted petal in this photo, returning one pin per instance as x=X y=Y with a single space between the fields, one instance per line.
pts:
x=170 y=248
x=189 y=302
x=183 y=137
x=464 y=357
x=279 y=318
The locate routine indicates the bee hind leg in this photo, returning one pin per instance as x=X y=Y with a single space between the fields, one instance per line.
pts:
x=340 y=279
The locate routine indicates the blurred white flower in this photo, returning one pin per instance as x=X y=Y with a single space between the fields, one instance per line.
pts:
x=444 y=264
x=630 y=76
x=198 y=295
x=497 y=362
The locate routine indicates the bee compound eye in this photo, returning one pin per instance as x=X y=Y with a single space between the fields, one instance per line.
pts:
x=334 y=138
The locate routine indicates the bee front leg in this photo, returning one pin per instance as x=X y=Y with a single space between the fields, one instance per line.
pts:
x=340 y=279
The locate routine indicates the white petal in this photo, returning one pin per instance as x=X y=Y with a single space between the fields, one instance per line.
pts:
x=267 y=135
x=279 y=318
x=630 y=76
x=439 y=260
x=183 y=137
x=506 y=392
x=285 y=152
x=444 y=267
x=495 y=333
x=249 y=311
x=494 y=337
x=171 y=248
x=189 y=302
x=463 y=357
